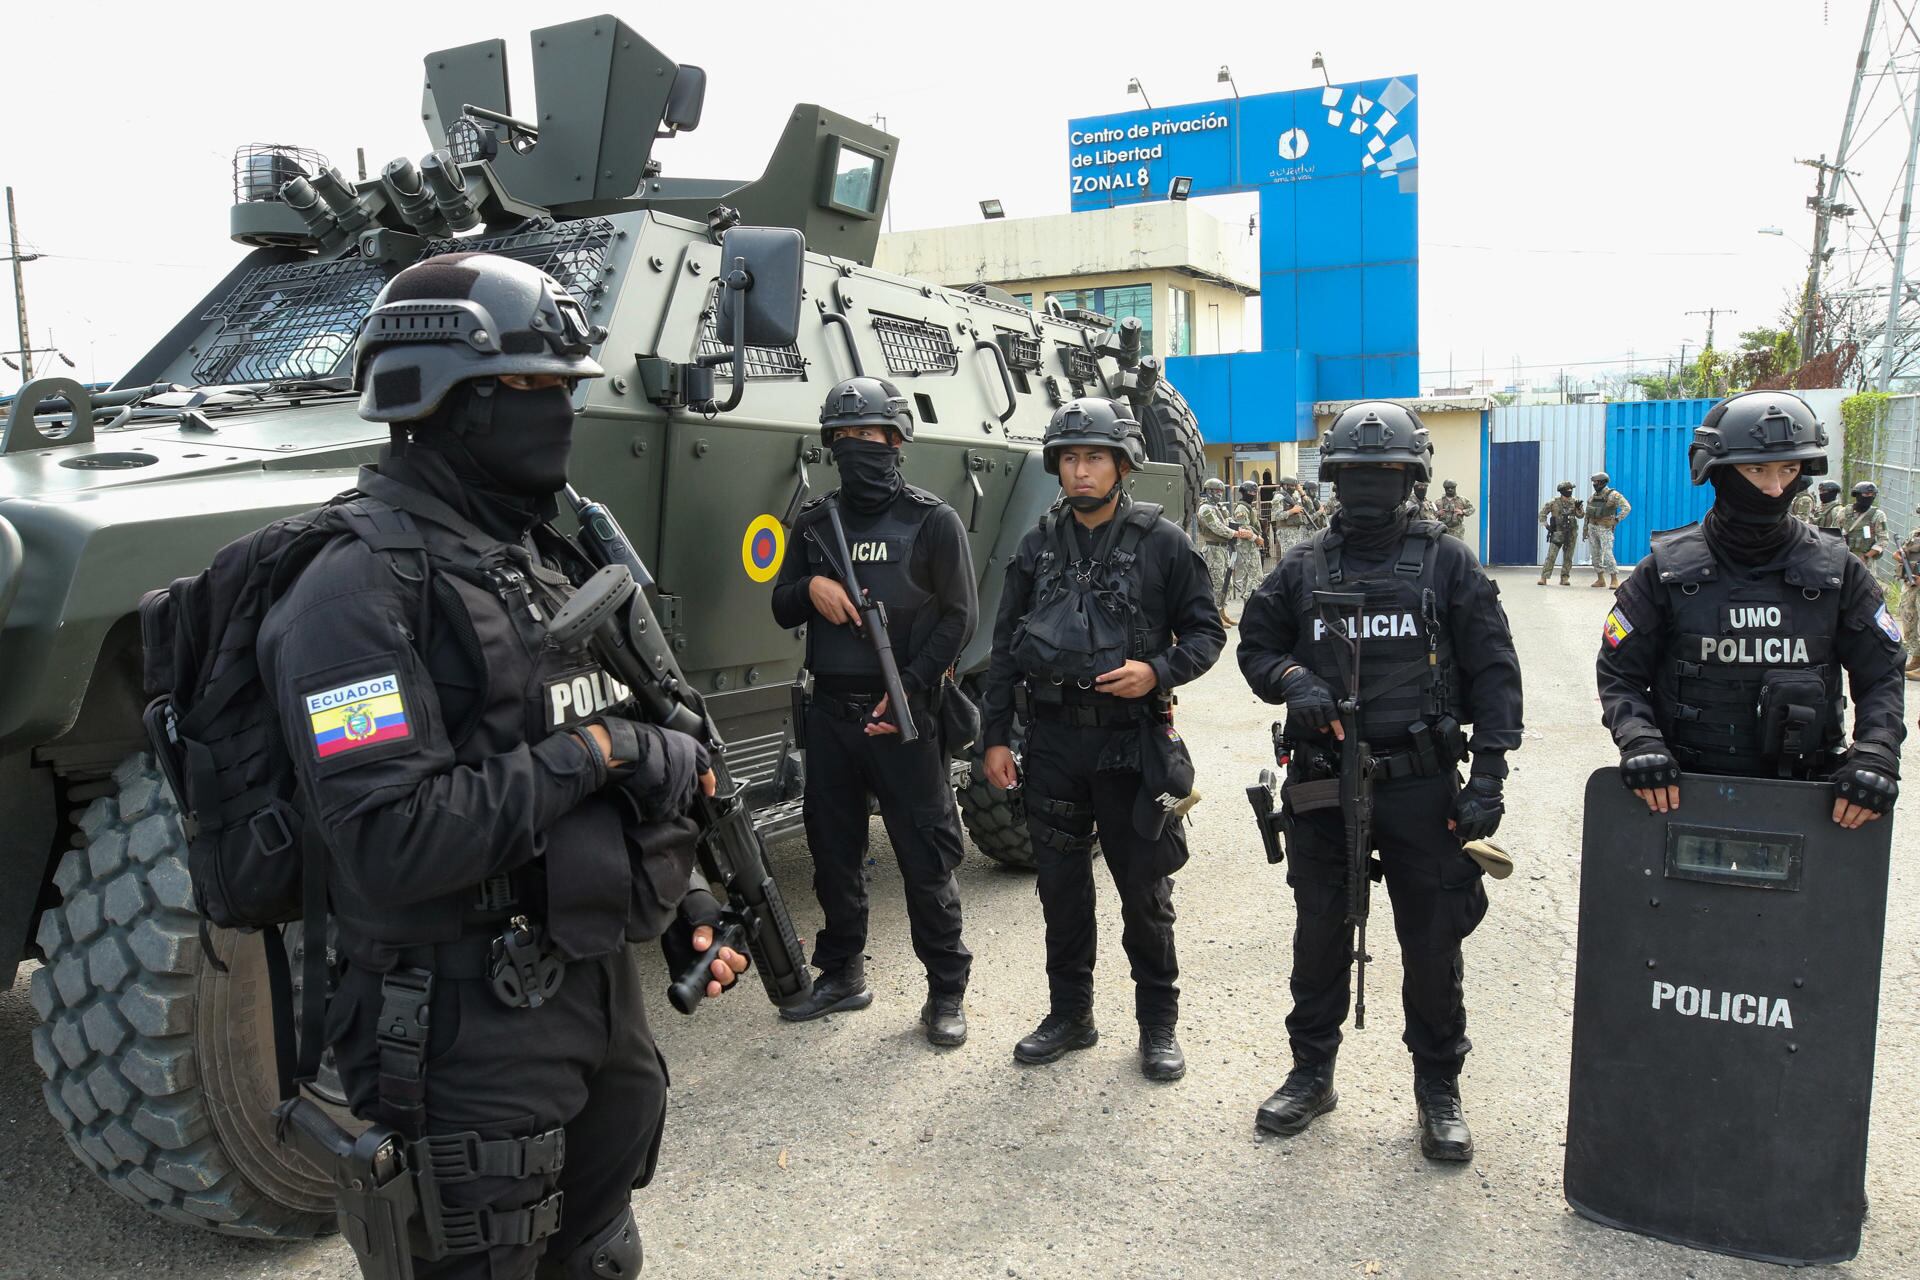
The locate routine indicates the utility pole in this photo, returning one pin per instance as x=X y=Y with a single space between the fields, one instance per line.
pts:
x=1710 y=313
x=1826 y=183
x=19 y=290
x=1896 y=293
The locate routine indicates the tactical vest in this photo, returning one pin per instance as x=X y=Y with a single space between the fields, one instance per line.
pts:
x=1406 y=653
x=1735 y=648
x=882 y=549
x=1859 y=530
x=1209 y=536
x=500 y=683
x=1084 y=619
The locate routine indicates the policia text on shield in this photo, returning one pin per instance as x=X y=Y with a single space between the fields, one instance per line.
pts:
x=1729 y=953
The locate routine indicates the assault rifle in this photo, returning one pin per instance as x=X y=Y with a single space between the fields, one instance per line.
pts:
x=611 y=616
x=1356 y=780
x=873 y=624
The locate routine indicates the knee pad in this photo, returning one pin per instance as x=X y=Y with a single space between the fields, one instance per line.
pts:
x=609 y=1254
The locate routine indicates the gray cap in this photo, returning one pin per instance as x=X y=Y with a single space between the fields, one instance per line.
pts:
x=461 y=316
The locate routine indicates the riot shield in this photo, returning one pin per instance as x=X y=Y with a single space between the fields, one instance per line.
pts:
x=1725 y=1001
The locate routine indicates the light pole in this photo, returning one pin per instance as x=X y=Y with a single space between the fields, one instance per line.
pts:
x=1133 y=86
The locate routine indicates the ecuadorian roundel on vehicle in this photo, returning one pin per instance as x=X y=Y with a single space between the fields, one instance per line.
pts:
x=762 y=548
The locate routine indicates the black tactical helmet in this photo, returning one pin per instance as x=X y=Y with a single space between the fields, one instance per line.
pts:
x=1450 y=485
x=461 y=316
x=1566 y=487
x=1248 y=489
x=1092 y=420
x=1312 y=487
x=1829 y=490
x=1373 y=432
x=1759 y=426
x=1599 y=477
x=865 y=402
x=1866 y=489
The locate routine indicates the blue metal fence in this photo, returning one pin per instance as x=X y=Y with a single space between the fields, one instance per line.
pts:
x=1647 y=460
x=1513 y=478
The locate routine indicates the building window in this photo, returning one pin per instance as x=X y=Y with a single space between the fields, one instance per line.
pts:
x=1024 y=299
x=1180 y=337
x=1117 y=302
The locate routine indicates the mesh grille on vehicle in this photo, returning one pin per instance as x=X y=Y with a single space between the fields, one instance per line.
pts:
x=574 y=253
x=761 y=362
x=1083 y=370
x=295 y=320
x=915 y=346
x=1021 y=349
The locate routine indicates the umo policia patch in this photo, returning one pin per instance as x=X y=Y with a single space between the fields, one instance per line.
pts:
x=362 y=714
x=1887 y=624
x=1615 y=629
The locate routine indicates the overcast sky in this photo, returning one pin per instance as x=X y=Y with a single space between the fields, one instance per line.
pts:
x=1590 y=173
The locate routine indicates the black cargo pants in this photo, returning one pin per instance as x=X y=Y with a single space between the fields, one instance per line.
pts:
x=844 y=766
x=1068 y=797
x=585 y=1060
x=1437 y=900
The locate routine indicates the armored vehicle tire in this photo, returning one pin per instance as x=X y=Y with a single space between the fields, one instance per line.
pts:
x=159 y=1066
x=996 y=820
x=1173 y=435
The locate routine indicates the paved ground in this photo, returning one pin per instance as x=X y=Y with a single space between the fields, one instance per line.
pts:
x=848 y=1148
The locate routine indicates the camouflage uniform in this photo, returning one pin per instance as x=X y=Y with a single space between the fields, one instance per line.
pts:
x=1215 y=538
x=1244 y=555
x=1866 y=533
x=1803 y=507
x=1566 y=512
x=1830 y=515
x=1453 y=511
x=1290 y=527
x=1605 y=509
x=1907 y=558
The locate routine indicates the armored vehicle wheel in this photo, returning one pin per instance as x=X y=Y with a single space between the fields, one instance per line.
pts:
x=159 y=1066
x=996 y=820
x=1173 y=435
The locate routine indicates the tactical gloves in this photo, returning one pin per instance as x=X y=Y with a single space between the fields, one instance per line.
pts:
x=1477 y=808
x=1310 y=703
x=1868 y=776
x=660 y=768
x=1647 y=765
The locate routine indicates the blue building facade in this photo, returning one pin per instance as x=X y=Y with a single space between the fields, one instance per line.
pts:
x=1337 y=172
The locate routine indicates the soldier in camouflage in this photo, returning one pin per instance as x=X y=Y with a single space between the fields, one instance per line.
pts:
x=1217 y=535
x=1293 y=517
x=1605 y=510
x=1906 y=559
x=1802 y=508
x=1831 y=511
x=1321 y=510
x=1865 y=526
x=1423 y=506
x=1561 y=518
x=1453 y=510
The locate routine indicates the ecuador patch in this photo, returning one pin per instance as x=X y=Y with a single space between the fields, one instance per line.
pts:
x=1887 y=624
x=362 y=714
x=1615 y=629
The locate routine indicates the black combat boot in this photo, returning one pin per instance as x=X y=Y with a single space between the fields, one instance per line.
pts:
x=1306 y=1093
x=1057 y=1035
x=1160 y=1056
x=843 y=990
x=1443 y=1126
x=945 y=1017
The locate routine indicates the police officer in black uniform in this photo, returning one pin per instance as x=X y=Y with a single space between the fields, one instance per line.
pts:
x=910 y=554
x=1436 y=656
x=1725 y=654
x=496 y=831
x=1107 y=610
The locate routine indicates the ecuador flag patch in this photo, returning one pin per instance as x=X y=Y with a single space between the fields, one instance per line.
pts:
x=361 y=714
x=1616 y=629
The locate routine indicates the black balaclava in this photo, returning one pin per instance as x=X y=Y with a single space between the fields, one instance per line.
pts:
x=1864 y=501
x=869 y=472
x=1599 y=486
x=508 y=451
x=1747 y=525
x=1372 y=514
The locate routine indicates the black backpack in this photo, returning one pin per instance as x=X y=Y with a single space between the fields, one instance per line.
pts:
x=218 y=740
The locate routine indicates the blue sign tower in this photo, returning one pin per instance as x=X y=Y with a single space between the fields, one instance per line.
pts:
x=1338 y=177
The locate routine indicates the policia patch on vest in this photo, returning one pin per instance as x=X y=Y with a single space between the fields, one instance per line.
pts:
x=581 y=694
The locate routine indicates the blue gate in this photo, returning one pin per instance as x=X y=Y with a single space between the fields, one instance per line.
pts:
x=1647 y=459
x=1513 y=483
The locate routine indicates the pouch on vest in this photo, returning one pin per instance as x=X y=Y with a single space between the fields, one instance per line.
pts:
x=1792 y=712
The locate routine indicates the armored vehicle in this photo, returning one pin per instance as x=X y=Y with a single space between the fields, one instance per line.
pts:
x=158 y=1060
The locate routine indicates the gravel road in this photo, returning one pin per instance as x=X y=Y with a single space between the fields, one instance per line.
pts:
x=849 y=1148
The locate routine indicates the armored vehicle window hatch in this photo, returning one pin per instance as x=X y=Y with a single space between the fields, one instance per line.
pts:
x=916 y=346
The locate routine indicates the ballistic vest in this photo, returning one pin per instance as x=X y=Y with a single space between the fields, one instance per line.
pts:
x=1731 y=640
x=1406 y=654
x=1084 y=619
x=882 y=548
